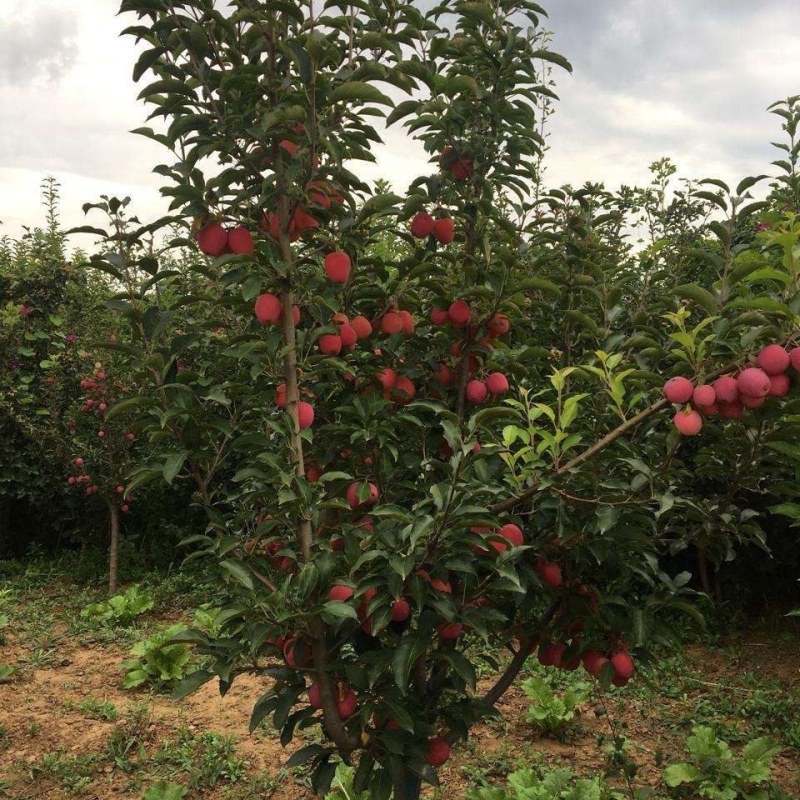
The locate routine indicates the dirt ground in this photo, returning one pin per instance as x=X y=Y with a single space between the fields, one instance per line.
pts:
x=48 y=742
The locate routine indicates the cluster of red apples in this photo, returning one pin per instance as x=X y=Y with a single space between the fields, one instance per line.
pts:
x=460 y=316
x=553 y=655
x=96 y=401
x=729 y=395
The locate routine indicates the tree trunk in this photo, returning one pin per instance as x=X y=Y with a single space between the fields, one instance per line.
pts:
x=113 y=550
x=702 y=566
x=407 y=787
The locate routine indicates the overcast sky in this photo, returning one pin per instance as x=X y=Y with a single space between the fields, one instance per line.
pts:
x=685 y=78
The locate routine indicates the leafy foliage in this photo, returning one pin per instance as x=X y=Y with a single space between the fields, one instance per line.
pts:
x=156 y=661
x=120 y=609
x=557 y=784
x=549 y=711
x=716 y=773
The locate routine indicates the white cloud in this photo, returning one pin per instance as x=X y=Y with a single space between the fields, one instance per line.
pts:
x=675 y=78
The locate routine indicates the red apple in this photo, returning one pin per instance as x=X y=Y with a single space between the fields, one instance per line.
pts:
x=362 y=327
x=753 y=382
x=704 y=395
x=240 y=241
x=459 y=313
x=305 y=415
x=269 y=309
x=444 y=230
x=352 y=495
x=340 y=593
x=476 y=391
x=773 y=359
x=678 y=390
x=497 y=383
x=337 y=267
x=401 y=610
x=688 y=422
x=212 y=239
x=330 y=344
x=391 y=323
x=438 y=751
x=422 y=225
x=727 y=389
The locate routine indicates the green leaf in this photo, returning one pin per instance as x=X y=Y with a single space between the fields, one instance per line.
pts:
x=164 y=790
x=173 y=464
x=238 y=572
x=698 y=295
x=191 y=683
x=676 y=774
x=358 y=92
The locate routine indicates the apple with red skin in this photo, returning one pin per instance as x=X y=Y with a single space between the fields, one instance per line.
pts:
x=476 y=391
x=79 y=462
x=305 y=415
x=688 y=422
x=591 y=660
x=441 y=586
x=497 y=383
x=387 y=378
x=422 y=225
x=401 y=610
x=240 y=241
x=450 y=630
x=352 y=495
x=731 y=410
x=269 y=309
x=440 y=316
x=778 y=385
x=623 y=667
x=391 y=323
x=678 y=390
x=348 y=336
x=459 y=313
x=704 y=395
x=340 y=593
x=752 y=402
x=337 y=267
x=498 y=325
x=726 y=389
x=773 y=359
x=212 y=239
x=550 y=654
x=330 y=344
x=404 y=390
x=444 y=230
x=408 y=323
x=314 y=698
x=794 y=358
x=753 y=382
x=550 y=573
x=362 y=326
x=438 y=751
x=346 y=701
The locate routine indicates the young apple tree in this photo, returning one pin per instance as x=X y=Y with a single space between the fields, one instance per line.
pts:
x=389 y=452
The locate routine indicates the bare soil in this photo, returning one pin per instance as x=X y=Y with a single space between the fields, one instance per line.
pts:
x=39 y=716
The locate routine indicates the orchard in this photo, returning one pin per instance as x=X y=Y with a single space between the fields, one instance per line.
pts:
x=439 y=438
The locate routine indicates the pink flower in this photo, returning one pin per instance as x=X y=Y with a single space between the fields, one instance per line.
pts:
x=763 y=226
x=25 y=310
x=14 y=365
x=70 y=337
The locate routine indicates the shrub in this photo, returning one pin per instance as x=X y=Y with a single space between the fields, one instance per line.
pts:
x=557 y=784
x=550 y=712
x=715 y=772
x=120 y=609
x=156 y=661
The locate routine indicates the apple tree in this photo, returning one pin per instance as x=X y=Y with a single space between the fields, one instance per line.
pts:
x=392 y=472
